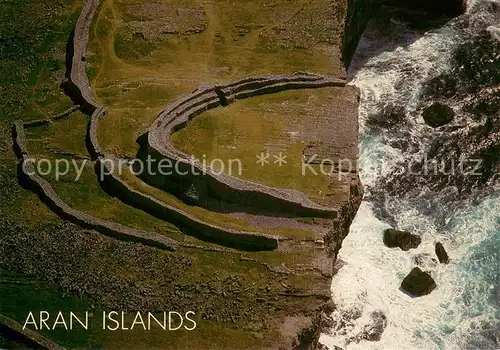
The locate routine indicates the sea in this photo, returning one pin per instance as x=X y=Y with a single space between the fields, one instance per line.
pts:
x=400 y=71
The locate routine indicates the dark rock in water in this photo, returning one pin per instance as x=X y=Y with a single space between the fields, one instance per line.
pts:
x=466 y=155
x=444 y=85
x=441 y=253
x=391 y=115
x=438 y=114
x=475 y=74
x=402 y=239
x=418 y=283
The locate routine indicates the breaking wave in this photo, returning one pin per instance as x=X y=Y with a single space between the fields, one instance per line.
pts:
x=397 y=70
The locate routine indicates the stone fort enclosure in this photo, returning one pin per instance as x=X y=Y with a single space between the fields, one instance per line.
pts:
x=161 y=79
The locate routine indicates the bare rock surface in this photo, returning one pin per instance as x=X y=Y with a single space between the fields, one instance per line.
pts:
x=441 y=253
x=401 y=239
x=418 y=283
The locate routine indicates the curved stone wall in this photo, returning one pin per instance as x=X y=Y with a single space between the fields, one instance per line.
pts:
x=250 y=241
x=30 y=339
x=79 y=86
x=92 y=141
x=29 y=177
x=223 y=186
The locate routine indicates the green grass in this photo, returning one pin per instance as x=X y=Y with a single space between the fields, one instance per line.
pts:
x=136 y=77
x=86 y=195
x=33 y=37
x=32 y=57
x=24 y=295
x=271 y=124
x=64 y=135
x=223 y=220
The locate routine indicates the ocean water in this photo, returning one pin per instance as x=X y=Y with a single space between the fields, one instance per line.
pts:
x=390 y=66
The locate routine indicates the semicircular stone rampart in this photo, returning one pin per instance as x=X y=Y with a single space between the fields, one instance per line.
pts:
x=224 y=236
x=229 y=188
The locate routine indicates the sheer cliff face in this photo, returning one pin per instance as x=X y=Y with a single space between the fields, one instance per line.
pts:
x=418 y=13
x=144 y=56
x=359 y=13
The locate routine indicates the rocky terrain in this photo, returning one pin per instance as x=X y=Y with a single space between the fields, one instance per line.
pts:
x=269 y=294
x=252 y=255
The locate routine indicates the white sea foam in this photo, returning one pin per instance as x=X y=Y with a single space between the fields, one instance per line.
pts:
x=392 y=70
x=371 y=275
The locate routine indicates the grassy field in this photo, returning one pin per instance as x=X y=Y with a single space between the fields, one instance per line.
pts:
x=32 y=57
x=84 y=193
x=144 y=56
x=220 y=219
x=274 y=124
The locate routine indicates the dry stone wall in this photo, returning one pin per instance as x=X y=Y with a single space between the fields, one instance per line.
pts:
x=247 y=241
x=52 y=200
x=79 y=86
x=92 y=142
x=229 y=188
x=227 y=237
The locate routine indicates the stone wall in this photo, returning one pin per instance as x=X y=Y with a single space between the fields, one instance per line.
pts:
x=230 y=189
x=32 y=340
x=113 y=184
x=92 y=141
x=62 y=115
x=28 y=177
x=246 y=241
x=222 y=186
x=78 y=82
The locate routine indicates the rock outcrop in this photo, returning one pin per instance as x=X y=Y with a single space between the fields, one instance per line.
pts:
x=418 y=283
x=359 y=12
x=438 y=114
x=402 y=239
x=441 y=253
